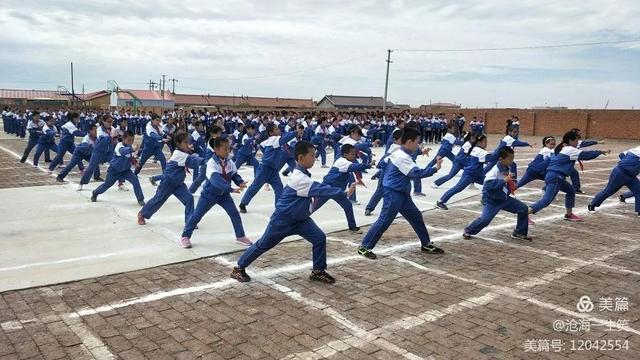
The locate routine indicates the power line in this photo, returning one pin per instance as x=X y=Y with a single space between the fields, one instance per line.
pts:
x=554 y=46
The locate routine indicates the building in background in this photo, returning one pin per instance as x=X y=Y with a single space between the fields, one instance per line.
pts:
x=440 y=106
x=34 y=98
x=222 y=101
x=353 y=102
x=142 y=98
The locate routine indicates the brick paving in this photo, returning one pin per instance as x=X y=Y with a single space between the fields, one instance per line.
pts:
x=485 y=298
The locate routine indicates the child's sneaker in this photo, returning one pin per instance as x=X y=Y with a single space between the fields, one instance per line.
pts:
x=94 y=197
x=80 y=172
x=521 y=236
x=79 y=187
x=355 y=202
x=440 y=205
x=591 y=208
x=572 y=217
x=432 y=249
x=355 y=230
x=141 y=220
x=240 y=274
x=185 y=242
x=153 y=181
x=434 y=185
x=622 y=199
x=367 y=213
x=530 y=221
x=49 y=172
x=59 y=179
x=121 y=187
x=266 y=187
x=466 y=236
x=285 y=173
x=141 y=202
x=243 y=208
x=324 y=167
x=367 y=253
x=321 y=276
x=419 y=194
x=98 y=179
x=579 y=191
x=472 y=187
x=244 y=241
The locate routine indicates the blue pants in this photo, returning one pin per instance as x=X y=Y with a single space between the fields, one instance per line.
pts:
x=31 y=143
x=395 y=202
x=377 y=195
x=552 y=186
x=205 y=203
x=291 y=165
x=265 y=175
x=199 y=176
x=465 y=181
x=76 y=160
x=165 y=190
x=147 y=152
x=242 y=159
x=344 y=203
x=40 y=148
x=63 y=148
x=417 y=185
x=158 y=177
x=113 y=177
x=617 y=180
x=336 y=151
x=627 y=195
x=321 y=152
x=575 y=179
x=97 y=158
x=455 y=169
x=491 y=209
x=279 y=229
x=528 y=177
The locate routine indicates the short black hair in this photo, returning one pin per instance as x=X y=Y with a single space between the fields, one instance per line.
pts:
x=179 y=136
x=270 y=127
x=397 y=134
x=250 y=126
x=355 y=129
x=346 y=148
x=409 y=134
x=303 y=148
x=504 y=152
x=127 y=134
x=73 y=115
x=218 y=142
x=92 y=126
x=300 y=127
x=215 y=129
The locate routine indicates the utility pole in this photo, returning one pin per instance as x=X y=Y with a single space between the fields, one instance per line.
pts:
x=173 y=87
x=73 y=93
x=386 y=82
x=162 y=90
x=152 y=85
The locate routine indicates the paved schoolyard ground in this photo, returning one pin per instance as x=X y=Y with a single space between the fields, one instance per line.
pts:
x=490 y=297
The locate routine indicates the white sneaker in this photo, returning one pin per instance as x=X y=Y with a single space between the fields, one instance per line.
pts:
x=433 y=185
x=472 y=187
x=79 y=187
x=122 y=188
x=266 y=187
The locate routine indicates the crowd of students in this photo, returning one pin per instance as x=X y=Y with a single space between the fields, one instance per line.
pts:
x=212 y=146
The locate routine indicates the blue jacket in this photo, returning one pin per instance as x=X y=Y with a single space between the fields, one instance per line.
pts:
x=341 y=171
x=294 y=205
x=154 y=137
x=494 y=188
x=630 y=162
x=69 y=131
x=103 y=141
x=86 y=146
x=475 y=161
x=48 y=135
x=563 y=162
x=540 y=163
x=121 y=160
x=401 y=169
x=509 y=141
x=446 y=145
x=247 y=145
x=199 y=143
x=272 y=149
x=174 y=172
x=218 y=178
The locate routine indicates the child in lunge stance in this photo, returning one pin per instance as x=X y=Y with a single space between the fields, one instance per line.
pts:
x=293 y=217
x=624 y=174
x=399 y=172
x=220 y=172
x=498 y=185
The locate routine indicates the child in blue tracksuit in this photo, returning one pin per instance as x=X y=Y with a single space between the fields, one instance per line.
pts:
x=246 y=153
x=68 y=132
x=473 y=170
x=173 y=180
x=293 y=217
x=624 y=174
x=377 y=195
x=200 y=175
x=81 y=152
x=101 y=151
x=319 y=140
x=460 y=155
x=220 y=172
x=34 y=127
x=498 y=185
x=268 y=172
x=46 y=141
x=288 y=152
x=152 y=145
x=510 y=140
x=538 y=166
x=562 y=161
x=120 y=169
x=397 y=196
x=339 y=176
x=575 y=176
x=447 y=143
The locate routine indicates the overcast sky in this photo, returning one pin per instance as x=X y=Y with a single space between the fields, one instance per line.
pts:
x=312 y=48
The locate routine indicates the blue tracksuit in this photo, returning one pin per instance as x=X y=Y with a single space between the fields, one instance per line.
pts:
x=173 y=184
x=100 y=154
x=45 y=142
x=458 y=163
x=339 y=176
x=289 y=156
x=319 y=141
x=293 y=217
x=246 y=153
x=268 y=170
x=472 y=172
x=446 y=148
x=574 y=175
x=120 y=169
x=559 y=168
x=537 y=167
x=68 y=132
x=507 y=141
x=217 y=190
x=377 y=195
x=624 y=174
x=35 y=131
x=199 y=145
x=495 y=197
x=399 y=172
x=152 y=146
x=81 y=152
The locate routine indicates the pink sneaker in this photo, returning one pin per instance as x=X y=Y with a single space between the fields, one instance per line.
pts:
x=185 y=242
x=573 y=218
x=244 y=241
x=531 y=222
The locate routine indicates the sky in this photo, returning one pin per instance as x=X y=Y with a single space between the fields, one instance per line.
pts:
x=306 y=49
